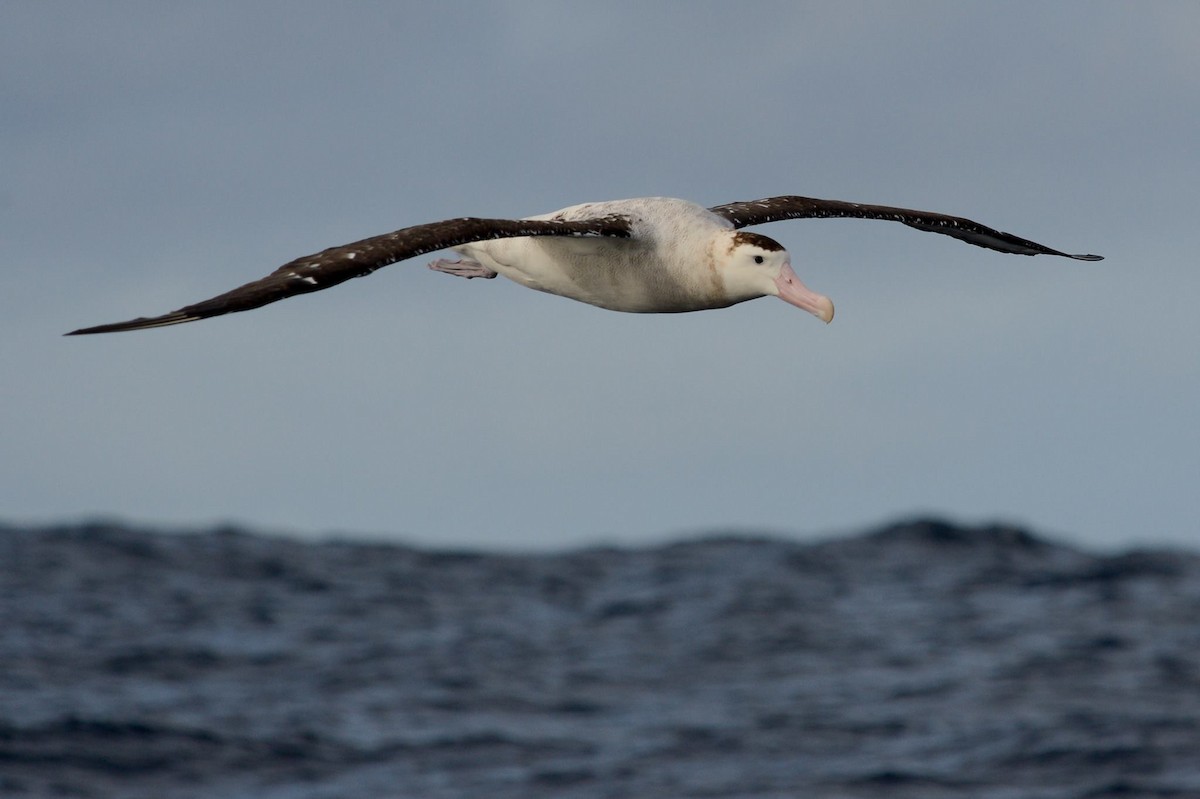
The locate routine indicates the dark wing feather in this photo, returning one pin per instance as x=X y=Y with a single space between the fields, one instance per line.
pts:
x=339 y=264
x=772 y=209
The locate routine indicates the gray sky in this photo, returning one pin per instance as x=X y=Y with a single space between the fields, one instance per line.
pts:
x=153 y=155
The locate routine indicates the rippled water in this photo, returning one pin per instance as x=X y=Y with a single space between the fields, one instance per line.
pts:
x=923 y=660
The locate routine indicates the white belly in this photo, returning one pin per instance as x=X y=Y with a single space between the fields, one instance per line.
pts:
x=656 y=271
x=614 y=273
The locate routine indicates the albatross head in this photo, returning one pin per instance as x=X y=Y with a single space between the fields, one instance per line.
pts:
x=759 y=266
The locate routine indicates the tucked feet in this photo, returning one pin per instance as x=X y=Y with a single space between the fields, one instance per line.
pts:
x=461 y=268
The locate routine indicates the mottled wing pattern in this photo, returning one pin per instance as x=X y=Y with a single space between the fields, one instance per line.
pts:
x=773 y=209
x=338 y=264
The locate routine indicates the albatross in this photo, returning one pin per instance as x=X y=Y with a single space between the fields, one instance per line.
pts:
x=642 y=255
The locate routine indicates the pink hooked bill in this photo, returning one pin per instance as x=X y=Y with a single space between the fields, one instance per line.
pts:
x=793 y=291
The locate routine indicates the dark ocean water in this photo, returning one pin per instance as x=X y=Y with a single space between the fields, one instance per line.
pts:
x=923 y=660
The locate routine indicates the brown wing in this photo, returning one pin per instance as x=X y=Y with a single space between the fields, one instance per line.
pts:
x=339 y=264
x=772 y=209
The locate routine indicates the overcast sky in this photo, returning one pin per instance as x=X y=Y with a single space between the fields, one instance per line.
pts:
x=155 y=154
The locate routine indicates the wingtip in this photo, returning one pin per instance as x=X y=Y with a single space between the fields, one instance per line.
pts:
x=1088 y=257
x=88 y=331
x=141 y=323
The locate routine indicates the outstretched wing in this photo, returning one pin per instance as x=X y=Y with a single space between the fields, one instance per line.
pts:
x=773 y=209
x=339 y=264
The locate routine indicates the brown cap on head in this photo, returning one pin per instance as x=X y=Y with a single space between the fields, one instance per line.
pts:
x=758 y=240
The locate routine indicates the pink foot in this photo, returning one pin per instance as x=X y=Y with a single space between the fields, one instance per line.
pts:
x=461 y=268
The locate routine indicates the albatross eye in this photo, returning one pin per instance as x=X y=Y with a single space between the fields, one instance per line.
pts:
x=758 y=259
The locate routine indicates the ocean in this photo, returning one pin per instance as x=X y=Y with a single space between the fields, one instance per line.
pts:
x=922 y=660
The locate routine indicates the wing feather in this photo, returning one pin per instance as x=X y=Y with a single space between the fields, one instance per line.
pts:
x=338 y=264
x=773 y=209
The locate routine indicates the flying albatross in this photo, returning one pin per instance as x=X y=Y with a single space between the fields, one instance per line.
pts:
x=643 y=255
